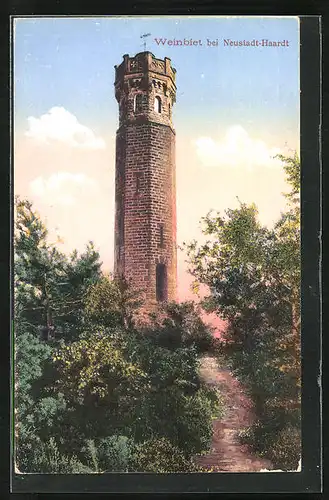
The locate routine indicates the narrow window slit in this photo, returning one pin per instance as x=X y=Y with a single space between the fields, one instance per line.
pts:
x=161 y=236
x=138 y=182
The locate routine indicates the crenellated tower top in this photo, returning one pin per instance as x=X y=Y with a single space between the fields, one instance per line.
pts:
x=145 y=89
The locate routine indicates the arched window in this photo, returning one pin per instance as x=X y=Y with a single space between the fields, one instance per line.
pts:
x=169 y=110
x=138 y=101
x=157 y=104
x=161 y=282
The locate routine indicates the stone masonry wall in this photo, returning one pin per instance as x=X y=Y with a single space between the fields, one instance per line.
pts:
x=146 y=195
x=145 y=220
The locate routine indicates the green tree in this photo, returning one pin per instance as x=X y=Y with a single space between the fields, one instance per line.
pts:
x=110 y=302
x=176 y=406
x=131 y=387
x=48 y=293
x=140 y=386
x=253 y=274
x=81 y=273
x=49 y=287
x=99 y=385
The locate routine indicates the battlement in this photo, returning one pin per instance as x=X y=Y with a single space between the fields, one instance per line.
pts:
x=145 y=88
x=144 y=62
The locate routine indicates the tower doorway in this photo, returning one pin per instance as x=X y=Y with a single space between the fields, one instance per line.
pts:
x=161 y=282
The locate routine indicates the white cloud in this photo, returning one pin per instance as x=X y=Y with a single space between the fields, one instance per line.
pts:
x=236 y=149
x=61 y=125
x=63 y=188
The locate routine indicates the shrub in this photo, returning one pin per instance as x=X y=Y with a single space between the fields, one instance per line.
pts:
x=114 y=453
x=175 y=406
x=181 y=326
x=102 y=384
x=285 y=452
x=195 y=423
x=45 y=458
x=282 y=446
x=160 y=456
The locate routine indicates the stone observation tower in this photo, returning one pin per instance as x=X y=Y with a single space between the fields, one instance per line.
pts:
x=145 y=185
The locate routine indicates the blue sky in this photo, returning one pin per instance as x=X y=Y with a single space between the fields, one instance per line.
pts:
x=70 y=62
x=236 y=108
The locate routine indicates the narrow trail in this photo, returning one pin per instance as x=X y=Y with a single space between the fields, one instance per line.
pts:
x=227 y=454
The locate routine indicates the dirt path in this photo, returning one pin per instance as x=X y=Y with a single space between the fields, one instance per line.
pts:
x=227 y=454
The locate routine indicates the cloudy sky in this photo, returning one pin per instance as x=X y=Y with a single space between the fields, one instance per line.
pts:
x=236 y=108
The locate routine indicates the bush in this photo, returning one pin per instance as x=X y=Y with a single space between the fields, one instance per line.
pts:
x=181 y=326
x=186 y=421
x=110 y=454
x=285 y=452
x=282 y=446
x=114 y=453
x=103 y=384
x=195 y=423
x=45 y=458
x=160 y=456
x=135 y=390
x=175 y=407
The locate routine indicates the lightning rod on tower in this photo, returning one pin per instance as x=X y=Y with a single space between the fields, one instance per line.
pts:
x=144 y=37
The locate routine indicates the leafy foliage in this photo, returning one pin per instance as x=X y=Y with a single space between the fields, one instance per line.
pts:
x=110 y=302
x=253 y=274
x=96 y=393
x=47 y=305
x=115 y=453
x=46 y=458
x=159 y=455
x=49 y=287
x=34 y=414
x=133 y=387
x=180 y=326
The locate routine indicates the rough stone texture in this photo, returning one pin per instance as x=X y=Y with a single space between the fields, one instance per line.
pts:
x=227 y=454
x=145 y=220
